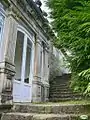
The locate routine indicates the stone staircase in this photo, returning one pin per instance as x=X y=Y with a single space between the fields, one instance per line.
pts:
x=50 y=111
x=60 y=91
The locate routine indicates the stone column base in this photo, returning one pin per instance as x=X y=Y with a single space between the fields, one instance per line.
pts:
x=36 y=91
x=7 y=72
x=46 y=88
x=40 y=91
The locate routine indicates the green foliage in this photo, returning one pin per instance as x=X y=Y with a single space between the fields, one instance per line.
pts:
x=72 y=24
x=85 y=74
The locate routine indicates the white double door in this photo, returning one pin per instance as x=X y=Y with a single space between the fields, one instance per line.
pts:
x=24 y=57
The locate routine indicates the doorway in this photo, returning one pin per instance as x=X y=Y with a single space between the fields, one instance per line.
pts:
x=22 y=85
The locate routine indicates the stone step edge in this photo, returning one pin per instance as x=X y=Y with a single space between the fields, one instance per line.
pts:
x=52 y=109
x=64 y=99
x=65 y=95
x=52 y=104
x=58 y=116
x=35 y=115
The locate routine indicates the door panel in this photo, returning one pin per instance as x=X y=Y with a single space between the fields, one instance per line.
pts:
x=26 y=93
x=16 y=91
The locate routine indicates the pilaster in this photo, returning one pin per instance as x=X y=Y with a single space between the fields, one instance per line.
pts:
x=36 y=84
x=7 y=68
x=41 y=71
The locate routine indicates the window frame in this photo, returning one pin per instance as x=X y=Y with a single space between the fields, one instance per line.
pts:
x=31 y=39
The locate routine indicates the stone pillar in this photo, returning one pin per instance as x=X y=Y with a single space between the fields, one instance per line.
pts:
x=46 y=65
x=7 y=53
x=36 y=87
x=46 y=74
x=40 y=83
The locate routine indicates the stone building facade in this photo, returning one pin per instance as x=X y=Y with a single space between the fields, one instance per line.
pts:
x=24 y=52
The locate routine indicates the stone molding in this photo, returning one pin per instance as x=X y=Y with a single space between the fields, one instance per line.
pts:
x=5 y=67
x=7 y=72
x=27 y=16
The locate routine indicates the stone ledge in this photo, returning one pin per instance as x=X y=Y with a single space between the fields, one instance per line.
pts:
x=16 y=116
x=52 y=108
x=5 y=108
x=28 y=116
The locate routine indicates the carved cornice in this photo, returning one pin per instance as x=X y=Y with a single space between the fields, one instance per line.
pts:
x=32 y=11
x=7 y=68
x=6 y=3
x=29 y=8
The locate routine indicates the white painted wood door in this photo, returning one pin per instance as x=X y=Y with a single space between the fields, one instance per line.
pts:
x=22 y=88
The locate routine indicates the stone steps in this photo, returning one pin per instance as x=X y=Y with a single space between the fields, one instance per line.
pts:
x=65 y=99
x=50 y=111
x=60 y=90
x=52 y=108
x=64 y=92
x=27 y=116
x=16 y=116
x=64 y=95
x=46 y=112
x=56 y=117
x=59 y=85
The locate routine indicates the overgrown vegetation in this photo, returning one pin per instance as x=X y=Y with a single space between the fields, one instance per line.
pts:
x=72 y=25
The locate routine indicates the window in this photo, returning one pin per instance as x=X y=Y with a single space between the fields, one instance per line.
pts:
x=40 y=61
x=18 y=55
x=1 y=26
x=28 y=61
x=23 y=55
